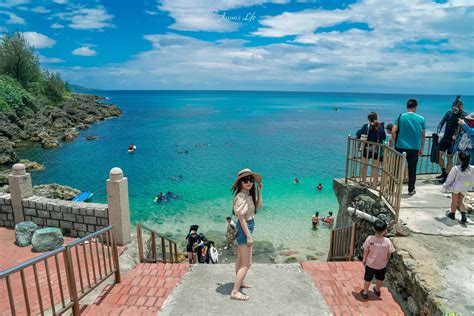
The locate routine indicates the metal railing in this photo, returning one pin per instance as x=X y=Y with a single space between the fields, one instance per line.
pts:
x=167 y=251
x=367 y=162
x=341 y=247
x=425 y=166
x=62 y=275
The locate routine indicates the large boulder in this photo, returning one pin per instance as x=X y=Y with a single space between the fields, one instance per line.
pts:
x=7 y=153
x=46 y=239
x=70 y=134
x=24 y=232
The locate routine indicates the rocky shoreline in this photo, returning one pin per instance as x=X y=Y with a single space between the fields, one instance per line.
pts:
x=50 y=125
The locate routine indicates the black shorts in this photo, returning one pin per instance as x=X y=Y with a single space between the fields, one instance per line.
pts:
x=372 y=153
x=446 y=145
x=370 y=273
x=189 y=248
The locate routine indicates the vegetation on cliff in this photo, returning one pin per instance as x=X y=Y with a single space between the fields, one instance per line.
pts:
x=23 y=85
x=36 y=105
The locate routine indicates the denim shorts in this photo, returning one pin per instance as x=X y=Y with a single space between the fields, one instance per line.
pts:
x=241 y=237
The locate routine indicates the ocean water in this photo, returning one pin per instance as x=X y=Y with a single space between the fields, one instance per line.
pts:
x=207 y=137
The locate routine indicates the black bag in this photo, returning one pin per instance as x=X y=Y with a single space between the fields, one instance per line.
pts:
x=434 y=154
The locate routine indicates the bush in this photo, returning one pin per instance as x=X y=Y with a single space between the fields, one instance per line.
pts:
x=13 y=96
x=53 y=86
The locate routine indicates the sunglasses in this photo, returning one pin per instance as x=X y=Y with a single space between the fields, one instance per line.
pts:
x=247 y=179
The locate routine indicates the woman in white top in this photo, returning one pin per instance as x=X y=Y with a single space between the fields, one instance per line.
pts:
x=246 y=203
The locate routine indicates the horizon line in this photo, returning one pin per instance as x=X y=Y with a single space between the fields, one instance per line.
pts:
x=283 y=91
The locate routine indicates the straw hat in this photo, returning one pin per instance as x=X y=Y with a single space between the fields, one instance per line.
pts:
x=246 y=172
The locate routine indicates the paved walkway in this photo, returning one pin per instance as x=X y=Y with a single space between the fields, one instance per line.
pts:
x=425 y=211
x=340 y=284
x=143 y=290
x=278 y=289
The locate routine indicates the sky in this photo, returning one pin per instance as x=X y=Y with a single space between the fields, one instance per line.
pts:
x=381 y=46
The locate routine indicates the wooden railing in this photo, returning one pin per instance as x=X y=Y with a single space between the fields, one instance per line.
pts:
x=367 y=162
x=341 y=247
x=55 y=281
x=149 y=251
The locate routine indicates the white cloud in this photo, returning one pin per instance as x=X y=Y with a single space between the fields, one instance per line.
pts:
x=13 y=18
x=87 y=18
x=12 y=3
x=206 y=15
x=40 y=9
x=49 y=60
x=150 y=12
x=181 y=62
x=84 y=51
x=60 y=1
x=57 y=26
x=39 y=40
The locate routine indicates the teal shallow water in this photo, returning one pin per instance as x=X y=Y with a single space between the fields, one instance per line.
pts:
x=279 y=134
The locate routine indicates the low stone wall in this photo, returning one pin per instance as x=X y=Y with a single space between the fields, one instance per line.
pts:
x=75 y=219
x=6 y=211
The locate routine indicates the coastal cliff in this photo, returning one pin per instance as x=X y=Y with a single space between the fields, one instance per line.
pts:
x=50 y=125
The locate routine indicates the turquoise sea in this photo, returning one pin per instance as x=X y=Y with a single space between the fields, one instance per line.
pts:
x=207 y=136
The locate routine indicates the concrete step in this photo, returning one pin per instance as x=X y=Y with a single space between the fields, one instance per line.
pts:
x=277 y=290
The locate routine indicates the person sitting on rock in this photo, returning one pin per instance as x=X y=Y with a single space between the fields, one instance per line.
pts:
x=329 y=219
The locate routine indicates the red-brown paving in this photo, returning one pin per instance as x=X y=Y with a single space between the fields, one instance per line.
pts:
x=340 y=284
x=143 y=290
x=12 y=255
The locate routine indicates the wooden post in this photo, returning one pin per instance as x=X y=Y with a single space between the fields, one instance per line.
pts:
x=175 y=253
x=153 y=247
x=118 y=278
x=71 y=282
x=163 y=249
x=347 y=157
x=140 y=243
x=351 y=249
x=331 y=245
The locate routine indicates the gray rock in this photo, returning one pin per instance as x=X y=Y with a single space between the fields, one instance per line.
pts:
x=400 y=230
x=32 y=165
x=24 y=232
x=55 y=191
x=89 y=137
x=7 y=154
x=46 y=239
x=70 y=134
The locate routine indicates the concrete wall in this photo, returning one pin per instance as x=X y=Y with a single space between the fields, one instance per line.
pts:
x=6 y=211
x=76 y=219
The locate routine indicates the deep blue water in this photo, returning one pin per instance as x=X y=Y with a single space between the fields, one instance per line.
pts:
x=279 y=134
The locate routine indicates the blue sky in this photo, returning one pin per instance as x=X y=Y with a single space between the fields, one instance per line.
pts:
x=403 y=46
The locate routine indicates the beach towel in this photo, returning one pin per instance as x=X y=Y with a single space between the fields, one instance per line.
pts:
x=434 y=154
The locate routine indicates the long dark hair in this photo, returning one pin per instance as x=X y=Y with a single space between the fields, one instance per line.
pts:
x=465 y=159
x=252 y=191
x=373 y=118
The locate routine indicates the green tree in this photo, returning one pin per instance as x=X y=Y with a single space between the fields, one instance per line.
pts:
x=18 y=60
x=53 y=86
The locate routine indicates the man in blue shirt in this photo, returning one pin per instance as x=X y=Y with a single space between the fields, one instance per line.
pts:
x=408 y=134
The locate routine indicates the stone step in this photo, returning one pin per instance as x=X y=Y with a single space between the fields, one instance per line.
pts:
x=277 y=290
